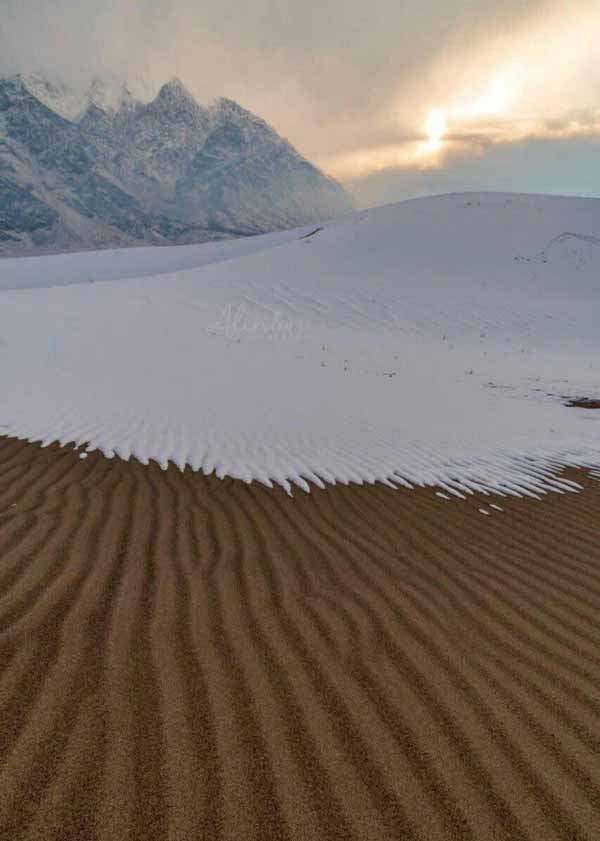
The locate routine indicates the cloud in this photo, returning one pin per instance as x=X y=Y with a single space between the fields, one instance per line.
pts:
x=326 y=72
x=540 y=79
x=536 y=165
x=351 y=84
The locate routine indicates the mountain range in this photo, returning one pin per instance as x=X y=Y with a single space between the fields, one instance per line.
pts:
x=107 y=169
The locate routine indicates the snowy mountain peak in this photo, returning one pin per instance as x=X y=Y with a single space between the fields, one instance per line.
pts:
x=111 y=95
x=55 y=95
x=175 y=89
x=109 y=166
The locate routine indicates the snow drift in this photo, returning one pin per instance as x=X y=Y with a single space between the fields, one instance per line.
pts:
x=431 y=342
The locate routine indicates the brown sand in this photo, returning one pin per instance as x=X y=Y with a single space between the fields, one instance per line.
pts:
x=183 y=658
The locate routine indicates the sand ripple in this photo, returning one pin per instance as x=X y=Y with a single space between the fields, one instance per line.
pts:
x=188 y=658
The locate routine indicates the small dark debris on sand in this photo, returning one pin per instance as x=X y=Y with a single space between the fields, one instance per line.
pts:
x=312 y=233
x=583 y=403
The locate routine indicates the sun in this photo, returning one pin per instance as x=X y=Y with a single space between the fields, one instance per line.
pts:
x=493 y=101
x=436 y=126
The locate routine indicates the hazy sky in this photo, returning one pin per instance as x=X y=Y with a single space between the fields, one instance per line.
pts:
x=393 y=97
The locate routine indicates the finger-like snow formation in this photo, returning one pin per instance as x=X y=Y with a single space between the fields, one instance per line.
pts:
x=430 y=342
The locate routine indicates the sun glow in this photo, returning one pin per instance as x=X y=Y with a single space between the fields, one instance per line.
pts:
x=436 y=128
x=497 y=98
x=538 y=81
x=494 y=101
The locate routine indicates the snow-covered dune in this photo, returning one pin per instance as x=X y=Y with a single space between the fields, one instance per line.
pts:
x=433 y=341
x=122 y=263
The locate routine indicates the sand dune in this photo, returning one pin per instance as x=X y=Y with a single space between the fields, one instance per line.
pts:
x=188 y=658
x=306 y=360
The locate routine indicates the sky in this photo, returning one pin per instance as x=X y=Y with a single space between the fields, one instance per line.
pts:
x=395 y=98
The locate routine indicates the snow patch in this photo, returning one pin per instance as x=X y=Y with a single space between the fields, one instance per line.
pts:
x=419 y=351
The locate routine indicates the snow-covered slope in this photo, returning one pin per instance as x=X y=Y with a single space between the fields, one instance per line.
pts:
x=433 y=341
x=123 y=263
x=106 y=169
x=56 y=96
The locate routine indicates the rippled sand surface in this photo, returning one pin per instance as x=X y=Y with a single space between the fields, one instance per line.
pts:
x=186 y=658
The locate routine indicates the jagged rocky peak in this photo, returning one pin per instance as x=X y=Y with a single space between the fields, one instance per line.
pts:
x=70 y=103
x=118 y=164
x=174 y=96
x=175 y=104
x=56 y=95
x=175 y=89
x=22 y=93
x=111 y=96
